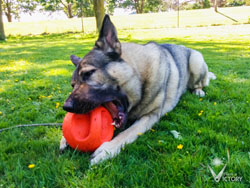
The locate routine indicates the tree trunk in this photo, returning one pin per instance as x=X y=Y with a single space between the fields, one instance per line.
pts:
x=142 y=6
x=9 y=17
x=215 y=6
x=69 y=8
x=2 y=35
x=139 y=6
x=99 y=13
x=8 y=11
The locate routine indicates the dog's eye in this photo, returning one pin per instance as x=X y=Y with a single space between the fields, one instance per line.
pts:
x=86 y=75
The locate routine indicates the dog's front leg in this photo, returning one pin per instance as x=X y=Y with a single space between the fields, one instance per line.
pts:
x=112 y=148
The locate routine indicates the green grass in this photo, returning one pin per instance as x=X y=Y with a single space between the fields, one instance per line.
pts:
x=35 y=74
x=189 y=18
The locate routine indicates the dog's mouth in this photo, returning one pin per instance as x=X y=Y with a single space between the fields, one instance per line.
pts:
x=117 y=112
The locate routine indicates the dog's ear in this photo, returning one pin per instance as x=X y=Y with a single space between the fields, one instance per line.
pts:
x=108 y=40
x=75 y=60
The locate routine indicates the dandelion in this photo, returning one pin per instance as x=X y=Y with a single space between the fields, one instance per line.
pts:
x=49 y=96
x=139 y=134
x=1 y=113
x=199 y=131
x=30 y=99
x=201 y=99
x=31 y=165
x=180 y=146
x=57 y=104
x=200 y=112
x=215 y=103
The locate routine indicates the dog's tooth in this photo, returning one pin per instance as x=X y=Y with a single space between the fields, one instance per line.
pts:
x=113 y=123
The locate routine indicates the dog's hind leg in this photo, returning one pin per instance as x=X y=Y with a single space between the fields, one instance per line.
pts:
x=199 y=75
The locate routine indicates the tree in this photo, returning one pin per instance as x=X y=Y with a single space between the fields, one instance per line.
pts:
x=2 y=35
x=99 y=13
x=71 y=8
x=140 y=6
x=14 y=7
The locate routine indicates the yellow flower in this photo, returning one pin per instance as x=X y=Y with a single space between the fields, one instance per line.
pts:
x=201 y=99
x=57 y=104
x=1 y=113
x=139 y=134
x=200 y=112
x=180 y=146
x=30 y=99
x=152 y=130
x=31 y=165
x=49 y=96
x=215 y=103
x=199 y=131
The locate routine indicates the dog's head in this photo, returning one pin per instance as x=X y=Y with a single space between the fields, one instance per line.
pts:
x=95 y=80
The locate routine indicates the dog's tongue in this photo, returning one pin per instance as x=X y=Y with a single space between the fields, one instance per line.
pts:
x=110 y=106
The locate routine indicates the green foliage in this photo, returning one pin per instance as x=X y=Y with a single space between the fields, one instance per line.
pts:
x=202 y=5
x=140 y=6
x=233 y=3
x=71 y=8
x=15 y=7
x=35 y=74
x=152 y=6
x=110 y=6
x=206 y=4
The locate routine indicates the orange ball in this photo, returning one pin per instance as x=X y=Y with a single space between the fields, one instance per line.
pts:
x=86 y=132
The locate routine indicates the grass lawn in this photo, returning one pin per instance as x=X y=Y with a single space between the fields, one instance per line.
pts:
x=35 y=74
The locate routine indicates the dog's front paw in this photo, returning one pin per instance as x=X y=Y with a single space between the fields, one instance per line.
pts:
x=105 y=151
x=199 y=92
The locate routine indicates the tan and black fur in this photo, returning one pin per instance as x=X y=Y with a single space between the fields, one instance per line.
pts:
x=136 y=83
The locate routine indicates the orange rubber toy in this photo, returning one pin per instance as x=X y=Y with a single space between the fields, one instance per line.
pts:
x=86 y=132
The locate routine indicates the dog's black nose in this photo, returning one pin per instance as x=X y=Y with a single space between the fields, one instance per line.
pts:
x=68 y=106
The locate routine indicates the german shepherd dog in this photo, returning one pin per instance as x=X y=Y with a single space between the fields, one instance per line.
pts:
x=136 y=83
